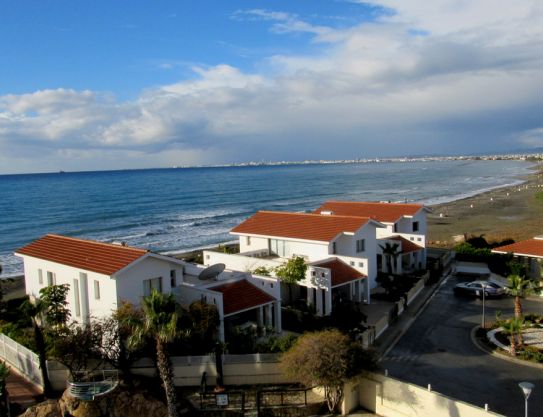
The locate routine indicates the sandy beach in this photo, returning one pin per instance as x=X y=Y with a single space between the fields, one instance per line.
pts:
x=509 y=212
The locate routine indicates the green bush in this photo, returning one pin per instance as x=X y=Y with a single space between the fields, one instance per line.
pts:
x=497 y=263
x=277 y=344
x=531 y=353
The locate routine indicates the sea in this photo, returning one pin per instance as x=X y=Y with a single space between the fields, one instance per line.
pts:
x=180 y=209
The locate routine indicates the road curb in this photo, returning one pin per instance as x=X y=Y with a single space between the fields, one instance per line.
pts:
x=499 y=355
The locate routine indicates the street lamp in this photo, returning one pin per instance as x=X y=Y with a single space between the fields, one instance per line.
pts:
x=526 y=388
x=484 y=293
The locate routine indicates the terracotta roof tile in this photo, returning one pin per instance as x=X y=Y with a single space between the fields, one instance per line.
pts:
x=241 y=295
x=304 y=226
x=530 y=247
x=341 y=272
x=382 y=212
x=407 y=245
x=88 y=255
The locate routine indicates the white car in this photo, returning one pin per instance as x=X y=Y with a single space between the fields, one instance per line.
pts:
x=478 y=288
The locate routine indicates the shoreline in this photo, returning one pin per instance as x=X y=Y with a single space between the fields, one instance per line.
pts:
x=510 y=211
x=505 y=211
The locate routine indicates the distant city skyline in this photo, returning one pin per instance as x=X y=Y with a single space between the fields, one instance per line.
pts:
x=104 y=85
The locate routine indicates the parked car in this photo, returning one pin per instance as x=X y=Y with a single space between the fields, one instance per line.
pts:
x=476 y=289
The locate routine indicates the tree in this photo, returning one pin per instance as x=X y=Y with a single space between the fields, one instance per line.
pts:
x=391 y=253
x=291 y=272
x=327 y=359
x=75 y=345
x=204 y=320
x=47 y=313
x=520 y=287
x=513 y=328
x=160 y=323
x=116 y=333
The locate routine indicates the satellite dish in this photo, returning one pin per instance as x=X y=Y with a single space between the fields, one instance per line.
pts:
x=211 y=272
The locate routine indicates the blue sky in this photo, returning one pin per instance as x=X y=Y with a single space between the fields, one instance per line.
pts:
x=105 y=85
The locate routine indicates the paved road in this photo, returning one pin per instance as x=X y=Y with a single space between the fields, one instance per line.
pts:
x=437 y=349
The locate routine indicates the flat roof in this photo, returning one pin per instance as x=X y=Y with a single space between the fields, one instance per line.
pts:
x=382 y=212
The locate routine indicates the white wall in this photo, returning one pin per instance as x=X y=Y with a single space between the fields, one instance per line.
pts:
x=256 y=243
x=130 y=281
x=66 y=275
x=393 y=398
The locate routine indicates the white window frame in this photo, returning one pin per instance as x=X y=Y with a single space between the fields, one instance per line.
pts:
x=149 y=284
x=96 y=289
x=51 y=278
x=360 y=245
x=40 y=276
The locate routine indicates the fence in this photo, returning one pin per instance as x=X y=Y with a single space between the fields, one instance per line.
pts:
x=21 y=358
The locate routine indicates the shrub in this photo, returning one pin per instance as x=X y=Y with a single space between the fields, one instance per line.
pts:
x=531 y=353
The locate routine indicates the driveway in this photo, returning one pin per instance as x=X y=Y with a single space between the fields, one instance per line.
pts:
x=438 y=350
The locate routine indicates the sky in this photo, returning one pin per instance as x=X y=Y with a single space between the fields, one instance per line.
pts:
x=92 y=85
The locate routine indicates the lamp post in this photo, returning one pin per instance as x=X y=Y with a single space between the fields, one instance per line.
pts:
x=484 y=291
x=526 y=388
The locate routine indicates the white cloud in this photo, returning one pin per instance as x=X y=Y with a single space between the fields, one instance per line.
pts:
x=471 y=79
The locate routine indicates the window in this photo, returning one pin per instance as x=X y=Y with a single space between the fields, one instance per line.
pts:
x=415 y=226
x=334 y=248
x=280 y=248
x=360 y=245
x=150 y=284
x=361 y=264
x=77 y=302
x=51 y=278
x=395 y=227
x=352 y=263
x=96 y=290
x=40 y=276
x=248 y=240
x=172 y=278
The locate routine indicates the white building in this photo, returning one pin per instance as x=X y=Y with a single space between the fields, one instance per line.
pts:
x=529 y=252
x=405 y=226
x=102 y=275
x=339 y=250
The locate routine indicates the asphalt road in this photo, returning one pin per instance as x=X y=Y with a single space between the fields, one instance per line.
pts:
x=437 y=350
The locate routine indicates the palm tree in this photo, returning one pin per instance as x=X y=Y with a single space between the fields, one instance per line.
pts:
x=391 y=252
x=36 y=312
x=520 y=287
x=160 y=323
x=513 y=327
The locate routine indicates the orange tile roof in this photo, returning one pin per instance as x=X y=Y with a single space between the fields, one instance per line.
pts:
x=407 y=245
x=241 y=295
x=304 y=226
x=104 y=258
x=530 y=247
x=341 y=272
x=382 y=212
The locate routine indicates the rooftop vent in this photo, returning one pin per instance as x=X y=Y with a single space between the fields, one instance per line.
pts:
x=327 y=212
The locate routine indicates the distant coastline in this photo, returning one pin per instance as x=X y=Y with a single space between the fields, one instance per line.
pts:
x=523 y=156
x=178 y=210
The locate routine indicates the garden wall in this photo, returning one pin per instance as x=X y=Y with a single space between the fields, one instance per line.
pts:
x=390 y=397
x=237 y=369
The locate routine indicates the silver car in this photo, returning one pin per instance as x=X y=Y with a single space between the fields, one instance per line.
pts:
x=478 y=288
